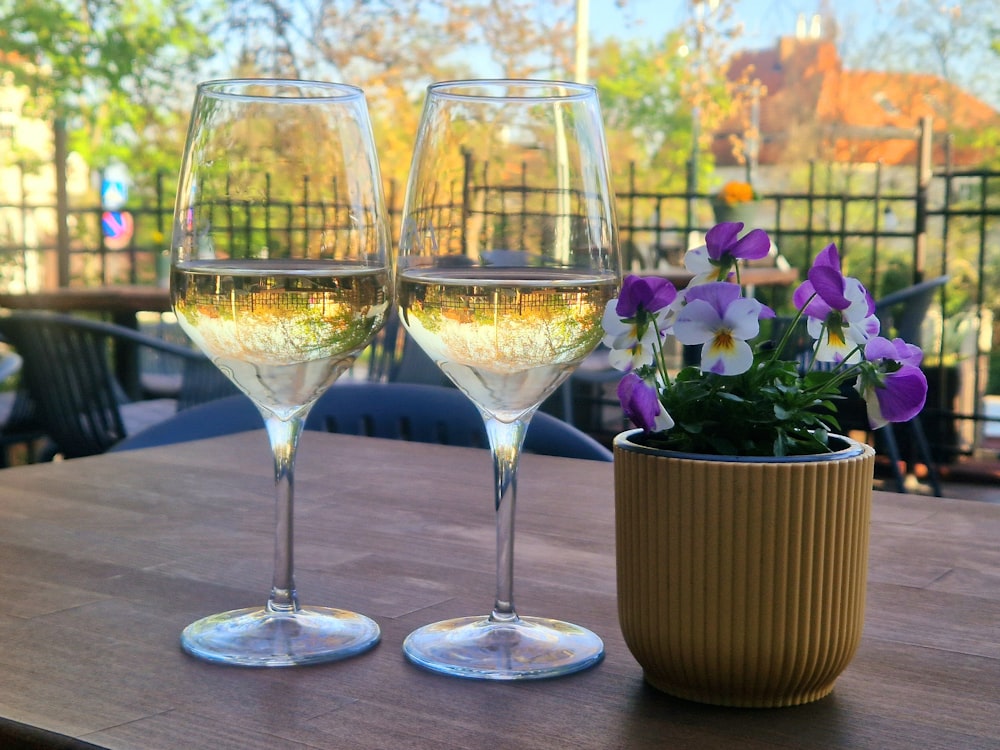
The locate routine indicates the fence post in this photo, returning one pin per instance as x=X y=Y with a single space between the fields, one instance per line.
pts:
x=26 y=282
x=159 y=202
x=810 y=212
x=878 y=226
x=466 y=196
x=62 y=201
x=689 y=191
x=925 y=171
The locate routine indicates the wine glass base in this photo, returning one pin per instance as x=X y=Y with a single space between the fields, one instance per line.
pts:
x=259 y=637
x=523 y=649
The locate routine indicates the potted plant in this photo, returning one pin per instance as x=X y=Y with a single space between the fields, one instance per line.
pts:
x=736 y=201
x=741 y=517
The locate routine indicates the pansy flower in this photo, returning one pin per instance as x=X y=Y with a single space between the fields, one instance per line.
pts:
x=896 y=390
x=722 y=320
x=717 y=258
x=641 y=404
x=725 y=245
x=839 y=310
x=636 y=320
x=746 y=398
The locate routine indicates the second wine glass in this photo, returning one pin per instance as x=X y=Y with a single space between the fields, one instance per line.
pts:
x=508 y=257
x=281 y=275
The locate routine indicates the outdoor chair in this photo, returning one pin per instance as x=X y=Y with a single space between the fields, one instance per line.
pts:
x=397 y=411
x=397 y=358
x=69 y=375
x=587 y=386
x=18 y=417
x=900 y=314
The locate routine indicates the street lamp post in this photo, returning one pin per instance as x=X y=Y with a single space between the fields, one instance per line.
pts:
x=701 y=10
x=753 y=139
x=582 y=62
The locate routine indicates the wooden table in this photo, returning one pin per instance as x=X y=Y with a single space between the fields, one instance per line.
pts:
x=749 y=277
x=121 y=302
x=104 y=560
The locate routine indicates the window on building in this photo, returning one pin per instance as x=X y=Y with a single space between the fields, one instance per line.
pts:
x=882 y=100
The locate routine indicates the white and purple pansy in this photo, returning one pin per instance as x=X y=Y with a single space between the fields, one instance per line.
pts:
x=717 y=316
x=897 y=389
x=839 y=310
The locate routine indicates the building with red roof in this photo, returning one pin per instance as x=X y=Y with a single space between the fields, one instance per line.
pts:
x=810 y=107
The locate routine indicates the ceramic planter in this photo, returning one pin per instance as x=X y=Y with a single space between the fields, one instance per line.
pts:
x=741 y=582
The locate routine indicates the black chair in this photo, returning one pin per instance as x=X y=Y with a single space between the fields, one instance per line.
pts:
x=19 y=423
x=587 y=385
x=901 y=314
x=69 y=371
x=386 y=349
x=394 y=357
x=398 y=411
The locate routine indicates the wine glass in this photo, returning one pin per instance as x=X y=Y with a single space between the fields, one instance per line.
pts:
x=280 y=274
x=508 y=257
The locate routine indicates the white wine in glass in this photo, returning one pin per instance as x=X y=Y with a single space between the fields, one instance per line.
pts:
x=508 y=257
x=280 y=274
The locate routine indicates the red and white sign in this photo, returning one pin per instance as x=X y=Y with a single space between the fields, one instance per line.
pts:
x=118 y=227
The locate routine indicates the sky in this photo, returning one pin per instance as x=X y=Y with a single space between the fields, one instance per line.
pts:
x=766 y=20
x=763 y=20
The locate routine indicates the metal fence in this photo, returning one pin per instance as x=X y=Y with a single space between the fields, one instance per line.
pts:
x=945 y=222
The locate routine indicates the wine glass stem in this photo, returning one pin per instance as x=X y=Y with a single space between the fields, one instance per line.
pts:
x=284 y=436
x=505 y=445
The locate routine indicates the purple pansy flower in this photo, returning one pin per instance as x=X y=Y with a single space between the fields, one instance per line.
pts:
x=635 y=321
x=641 y=404
x=725 y=245
x=897 y=391
x=880 y=348
x=632 y=343
x=644 y=293
x=713 y=313
x=840 y=312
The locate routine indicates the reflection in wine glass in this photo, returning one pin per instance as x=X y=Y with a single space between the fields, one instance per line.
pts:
x=280 y=275
x=508 y=258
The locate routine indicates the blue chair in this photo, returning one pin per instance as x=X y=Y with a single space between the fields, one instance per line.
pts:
x=398 y=411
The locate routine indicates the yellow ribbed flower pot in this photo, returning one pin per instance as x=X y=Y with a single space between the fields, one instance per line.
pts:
x=742 y=582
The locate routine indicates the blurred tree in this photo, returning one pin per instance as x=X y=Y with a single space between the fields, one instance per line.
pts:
x=648 y=119
x=954 y=39
x=103 y=72
x=394 y=48
x=664 y=100
x=108 y=71
x=709 y=37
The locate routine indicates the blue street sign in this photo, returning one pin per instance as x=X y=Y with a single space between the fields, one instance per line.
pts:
x=114 y=187
x=113 y=195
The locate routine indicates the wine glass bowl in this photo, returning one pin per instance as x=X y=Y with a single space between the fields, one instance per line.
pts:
x=280 y=274
x=507 y=260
